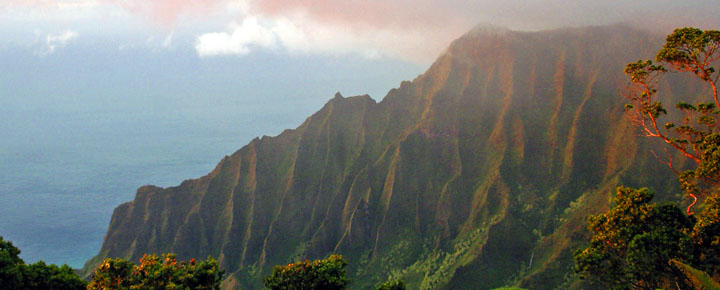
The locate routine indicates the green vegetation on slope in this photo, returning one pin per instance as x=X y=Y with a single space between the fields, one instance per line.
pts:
x=392 y=285
x=696 y=279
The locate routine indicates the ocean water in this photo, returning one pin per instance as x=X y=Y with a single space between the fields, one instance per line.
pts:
x=81 y=130
x=60 y=183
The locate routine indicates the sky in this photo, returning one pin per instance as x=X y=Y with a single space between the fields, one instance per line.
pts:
x=99 y=97
x=410 y=30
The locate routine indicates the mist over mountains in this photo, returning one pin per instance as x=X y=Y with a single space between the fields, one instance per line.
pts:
x=479 y=173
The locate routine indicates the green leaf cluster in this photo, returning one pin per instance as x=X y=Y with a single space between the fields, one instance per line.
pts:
x=705 y=238
x=319 y=274
x=689 y=49
x=15 y=274
x=707 y=173
x=392 y=285
x=696 y=278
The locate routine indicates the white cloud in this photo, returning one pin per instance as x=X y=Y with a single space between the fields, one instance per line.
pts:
x=168 y=40
x=77 y=4
x=305 y=36
x=239 y=41
x=297 y=35
x=53 y=41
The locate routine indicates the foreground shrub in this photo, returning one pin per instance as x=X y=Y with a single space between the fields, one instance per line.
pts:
x=16 y=275
x=157 y=273
x=319 y=274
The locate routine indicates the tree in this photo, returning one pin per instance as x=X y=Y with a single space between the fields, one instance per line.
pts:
x=157 y=273
x=15 y=274
x=319 y=274
x=392 y=285
x=633 y=242
x=10 y=265
x=42 y=276
x=695 y=131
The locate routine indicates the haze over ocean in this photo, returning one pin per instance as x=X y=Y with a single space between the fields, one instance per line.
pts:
x=82 y=129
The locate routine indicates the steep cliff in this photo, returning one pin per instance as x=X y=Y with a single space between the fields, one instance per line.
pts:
x=479 y=173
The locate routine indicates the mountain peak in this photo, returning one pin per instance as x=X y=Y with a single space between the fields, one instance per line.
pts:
x=487 y=28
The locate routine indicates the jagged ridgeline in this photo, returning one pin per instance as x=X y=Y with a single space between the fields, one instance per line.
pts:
x=477 y=174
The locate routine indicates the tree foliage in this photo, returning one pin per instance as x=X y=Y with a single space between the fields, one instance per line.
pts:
x=10 y=265
x=392 y=285
x=319 y=274
x=695 y=130
x=152 y=273
x=15 y=274
x=705 y=238
x=155 y=272
x=634 y=243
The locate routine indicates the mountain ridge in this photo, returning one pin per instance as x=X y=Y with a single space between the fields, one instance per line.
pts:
x=479 y=172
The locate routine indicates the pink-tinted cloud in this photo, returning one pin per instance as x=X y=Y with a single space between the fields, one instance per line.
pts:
x=163 y=12
x=36 y=3
x=412 y=29
x=166 y=12
x=437 y=21
x=399 y=14
x=416 y=30
x=419 y=14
